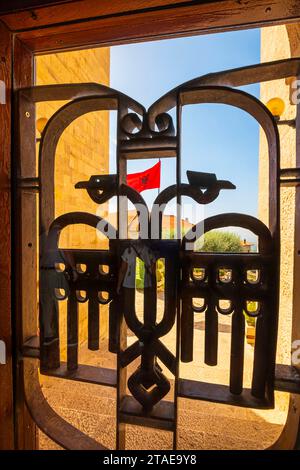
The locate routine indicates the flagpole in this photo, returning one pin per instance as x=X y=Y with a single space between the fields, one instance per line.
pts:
x=158 y=189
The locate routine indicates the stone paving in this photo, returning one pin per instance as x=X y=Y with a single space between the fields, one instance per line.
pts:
x=202 y=425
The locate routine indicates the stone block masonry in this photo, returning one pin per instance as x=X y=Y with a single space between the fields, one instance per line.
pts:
x=82 y=151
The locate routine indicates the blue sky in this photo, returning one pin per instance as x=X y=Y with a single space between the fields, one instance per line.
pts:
x=216 y=138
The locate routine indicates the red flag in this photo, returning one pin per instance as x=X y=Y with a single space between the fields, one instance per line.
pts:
x=148 y=179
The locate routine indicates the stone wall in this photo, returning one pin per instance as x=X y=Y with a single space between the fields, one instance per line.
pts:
x=82 y=151
x=282 y=42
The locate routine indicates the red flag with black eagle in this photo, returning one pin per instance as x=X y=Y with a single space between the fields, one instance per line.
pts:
x=148 y=179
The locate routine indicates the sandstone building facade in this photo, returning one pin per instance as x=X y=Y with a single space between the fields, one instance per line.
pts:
x=82 y=151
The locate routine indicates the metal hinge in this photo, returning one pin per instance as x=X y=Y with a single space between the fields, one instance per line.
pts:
x=290 y=177
x=29 y=184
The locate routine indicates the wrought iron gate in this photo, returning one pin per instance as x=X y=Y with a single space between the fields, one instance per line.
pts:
x=144 y=134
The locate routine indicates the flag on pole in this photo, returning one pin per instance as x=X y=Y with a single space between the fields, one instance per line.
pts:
x=148 y=179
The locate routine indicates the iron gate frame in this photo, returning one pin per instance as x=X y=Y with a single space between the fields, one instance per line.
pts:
x=29 y=183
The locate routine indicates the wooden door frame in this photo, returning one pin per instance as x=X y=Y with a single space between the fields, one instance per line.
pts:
x=6 y=377
x=36 y=29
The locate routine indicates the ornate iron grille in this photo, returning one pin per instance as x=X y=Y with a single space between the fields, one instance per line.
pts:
x=151 y=134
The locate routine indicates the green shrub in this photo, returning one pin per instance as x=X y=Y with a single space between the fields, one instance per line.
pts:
x=140 y=274
x=251 y=321
x=222 y=242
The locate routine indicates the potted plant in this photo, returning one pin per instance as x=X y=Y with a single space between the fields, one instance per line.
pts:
x=250 y=325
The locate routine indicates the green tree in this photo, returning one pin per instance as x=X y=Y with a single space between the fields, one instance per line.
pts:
x=222 y=242
x=170 y=234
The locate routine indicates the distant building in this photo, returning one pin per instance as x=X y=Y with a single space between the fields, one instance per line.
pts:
x=168 y=224
x=82 y=151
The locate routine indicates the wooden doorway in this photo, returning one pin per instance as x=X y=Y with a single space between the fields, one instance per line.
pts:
x=48 y=26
